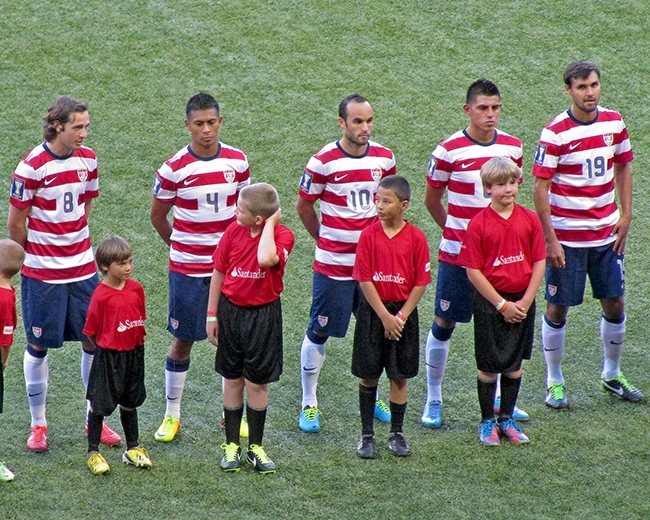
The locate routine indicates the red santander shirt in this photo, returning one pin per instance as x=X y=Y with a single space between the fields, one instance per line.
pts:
x=394 y=265
x=246 y=283
x=116 y=317
x=7 y=316
x=504 y=250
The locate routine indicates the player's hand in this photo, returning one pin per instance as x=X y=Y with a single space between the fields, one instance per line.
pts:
x=392 y=327
x=274 y=219
x=621 y=229
x=555 y=254
x=513 y=313
x=212 y=328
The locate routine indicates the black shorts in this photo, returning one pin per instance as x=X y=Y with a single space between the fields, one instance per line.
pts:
x=372 y=352
x=500 y=346
x=250 y=341
x=116 y=378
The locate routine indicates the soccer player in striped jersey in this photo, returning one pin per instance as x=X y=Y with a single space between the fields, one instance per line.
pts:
x=583 y=159
x=455 y=166
x=343 y=176
x=51 y=196
x=200 y=184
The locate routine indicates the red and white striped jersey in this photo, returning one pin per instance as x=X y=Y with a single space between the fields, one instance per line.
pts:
x=346 y=187
x=579 y=158
x=456 y=165
x=55 y=189
x=204 y=195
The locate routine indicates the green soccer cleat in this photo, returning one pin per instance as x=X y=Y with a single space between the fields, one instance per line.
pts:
x=260 y=460
x=168 y=429
x=6 y=475
x=620 y=387
x=556 y=398
x=231 y=456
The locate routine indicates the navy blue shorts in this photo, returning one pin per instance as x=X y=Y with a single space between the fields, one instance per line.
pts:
x=602 y=264
x=454 y=293
x=188 y=305
x=333 y=302
x=55 y=312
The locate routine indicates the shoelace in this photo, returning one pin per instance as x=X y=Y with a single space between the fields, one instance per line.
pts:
x=259 y=452
x=557 y=391
x=311 y=413
x=38 y=434
x=487 y=428
x=383 y=407
x=230 y=452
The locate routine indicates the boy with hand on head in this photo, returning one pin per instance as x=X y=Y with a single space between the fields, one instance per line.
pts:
x=115 y=325
x=393 y=269
x=244 y=317
x=12 y=256
x=505 y=257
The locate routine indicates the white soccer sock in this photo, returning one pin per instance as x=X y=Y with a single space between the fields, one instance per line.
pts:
x=612 y=336
x=312 y=357
x=436 y=360
x=174 y=385
x=86 y=363
x=37 y=374
x=553 y=346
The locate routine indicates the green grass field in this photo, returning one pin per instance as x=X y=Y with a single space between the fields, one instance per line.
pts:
x=279 y=68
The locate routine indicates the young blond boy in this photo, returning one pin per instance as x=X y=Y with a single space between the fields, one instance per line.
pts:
x=115 y=326
x=505 y=256
x=244 y=318
x=393 y=269
x=12 y=256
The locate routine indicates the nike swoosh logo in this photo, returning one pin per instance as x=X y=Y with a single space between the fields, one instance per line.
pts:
x=190 y=181
x=341 y=177
x=574 y=146
x=466 y=165
x=172 y=398
x=48 y=181
x=34 y=395
x=618 y=391
x=617 y=342
x=310 y=369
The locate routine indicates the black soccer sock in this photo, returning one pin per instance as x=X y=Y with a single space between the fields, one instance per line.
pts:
x=232 y=417
x=129 y=420
x=397 y=412
x=367 y=398
x=256 y=421
x=486 y=392
x=509 y=393
x=95 y=423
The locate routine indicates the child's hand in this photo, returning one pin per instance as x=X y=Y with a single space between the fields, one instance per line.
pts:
x=212 y=328
x=274 y=219
x=392 y=327
x=513 y=313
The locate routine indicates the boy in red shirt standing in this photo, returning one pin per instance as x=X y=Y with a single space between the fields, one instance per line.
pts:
x=245 y=317
x=115 y=326
x=393 y=269
x=505 y=256
x=12 y=256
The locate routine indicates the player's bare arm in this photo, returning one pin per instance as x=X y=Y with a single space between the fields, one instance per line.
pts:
x=17 y=225
x=511 y=313
x=88 y=206
x=536 y=278
x=412 y=301
x=212 y=327
x=623 y=179
x=433 y=202
x=159 y=220
x=308 y=216
x=392 y=326
x=267 y=251
x=554 y=250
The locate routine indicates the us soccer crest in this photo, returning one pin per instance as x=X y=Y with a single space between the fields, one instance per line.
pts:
x=322 y=320
x=552 y=290
x=376 y=174
x=83 y=175
x=174 y=323
x=37 y=331
x=229 y=175
x=609 y=139
x=444 y=305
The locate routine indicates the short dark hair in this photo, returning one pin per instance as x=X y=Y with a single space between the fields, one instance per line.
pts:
x=60 y=112
x=481 y=87
x=580 y=69
x=398 y=184
x=113 y=249
x=352 y=98
x=201 y=101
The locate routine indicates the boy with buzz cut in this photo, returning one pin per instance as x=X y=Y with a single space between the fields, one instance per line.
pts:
x=393 y=269
x=505 y=257
x=244 y=317
x=115 y=326
x=12 y=256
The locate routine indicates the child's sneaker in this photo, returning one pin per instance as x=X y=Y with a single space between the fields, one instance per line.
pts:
x=382 y=411
x=397 y=444
x=231 y=456
x=511 y=430
x=37 y=439
x=168 y=429
x=488 y=433
x=366 y=447
x=137 y=457
x=309 y=421
x=258 y=458
x=97 y=464
x=6 y=474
